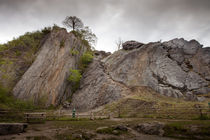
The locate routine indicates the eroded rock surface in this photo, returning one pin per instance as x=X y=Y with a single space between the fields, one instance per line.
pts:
x=97 y=87
x=46 y=80
x=177 y=68
x=129 y=45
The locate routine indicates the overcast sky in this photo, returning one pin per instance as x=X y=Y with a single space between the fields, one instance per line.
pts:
x=141 y=20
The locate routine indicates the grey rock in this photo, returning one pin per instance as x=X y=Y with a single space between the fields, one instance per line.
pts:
x=98 y=55
x=175 y=43
x=97 y=88
x=170 y=68
x=155 y=128
x=12 y=128
x=191 y=47
x=169 y=91
x=185 y=67
x=166 y=70
x=201 y=63
x=203 y=90
x=102 y=128
x=66 y=104
x=46 y=80
x=120 y=127
x=194 y=81
x=77 y=136
x=201 y=99
x=177 y=54
x=190 y=96
x=111 y=77
x=129 y=45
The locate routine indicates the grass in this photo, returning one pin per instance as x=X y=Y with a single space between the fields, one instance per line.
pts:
x=184 y=129
x=173 y=128
x=37 y=138
x=144 y=102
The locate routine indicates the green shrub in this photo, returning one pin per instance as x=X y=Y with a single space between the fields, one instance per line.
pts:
x=4 y=98
x=20 y=104
x=74 y=79
x=46 y=30
x=8 y=100
x=77 y=34
x=74 y=52
x=203 y=117
x=56 y=27
x=62 y=43
x=17 y=53
x=85 y=60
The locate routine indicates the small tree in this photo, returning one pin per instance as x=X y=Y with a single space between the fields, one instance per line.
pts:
x=119 y=43
x=88 y=35
x=73 y=22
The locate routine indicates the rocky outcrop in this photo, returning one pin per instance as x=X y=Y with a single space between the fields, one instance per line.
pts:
x=12 y=128
x=45 y=81
x=97 y=87
x=129 y=45
x=176 y=68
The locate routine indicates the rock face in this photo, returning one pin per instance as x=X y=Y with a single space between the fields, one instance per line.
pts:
x=176 y=68
x=129 y=45
x=46 y=80
x=97 y=87
x=12 y=128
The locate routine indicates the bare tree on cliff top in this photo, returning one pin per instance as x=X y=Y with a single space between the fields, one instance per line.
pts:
x=73 y=22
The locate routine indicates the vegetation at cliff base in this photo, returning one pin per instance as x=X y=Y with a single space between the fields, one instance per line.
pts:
x=7 y=101
x=16 y=56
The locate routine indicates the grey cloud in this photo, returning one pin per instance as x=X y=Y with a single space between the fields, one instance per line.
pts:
x=143 y=20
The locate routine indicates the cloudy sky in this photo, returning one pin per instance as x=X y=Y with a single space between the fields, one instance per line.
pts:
x=141 y=20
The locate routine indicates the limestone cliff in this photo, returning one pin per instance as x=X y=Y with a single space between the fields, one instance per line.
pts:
x=46 y=79
x=177 y=68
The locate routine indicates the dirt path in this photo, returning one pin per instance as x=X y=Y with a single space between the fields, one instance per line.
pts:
x=49 y=131
x=50 y=134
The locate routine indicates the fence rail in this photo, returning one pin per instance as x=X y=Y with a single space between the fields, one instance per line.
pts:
x=170 y=112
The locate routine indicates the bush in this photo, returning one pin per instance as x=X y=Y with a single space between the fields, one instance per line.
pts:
x=74 y=52
x=10 y=102
x=74 y=79
x=62 y=43
x=4 y=98
x=85 y=60
x=46 y=30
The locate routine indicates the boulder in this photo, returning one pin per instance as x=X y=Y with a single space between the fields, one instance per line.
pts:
x=190 y=96
x=154 y=128
x=12 y=128
x=194 y=81
x=130 y=45
x=191 y=47
x=66 y=104
x=203 y=90
x=120 y=127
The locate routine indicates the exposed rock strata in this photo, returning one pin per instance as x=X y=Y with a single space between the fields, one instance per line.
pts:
x=97 y=87
x=46 y=80
x=177 y=68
